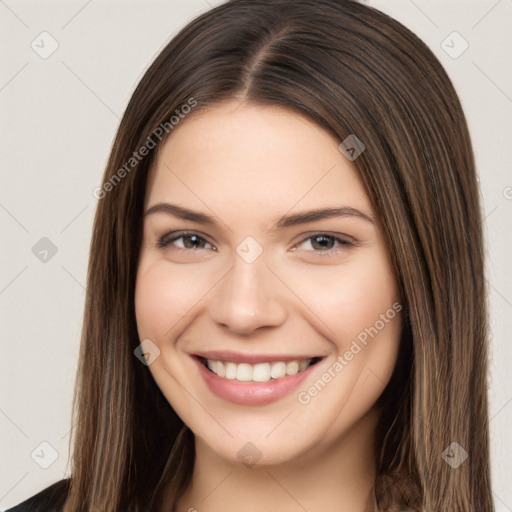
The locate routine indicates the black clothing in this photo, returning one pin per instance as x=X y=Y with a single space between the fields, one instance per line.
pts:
x=50 y=499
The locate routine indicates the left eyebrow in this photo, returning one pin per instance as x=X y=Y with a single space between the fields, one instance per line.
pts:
x=283 y=222
x=320 y=214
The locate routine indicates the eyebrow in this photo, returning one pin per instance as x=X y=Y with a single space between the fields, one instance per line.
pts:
x=283 y=222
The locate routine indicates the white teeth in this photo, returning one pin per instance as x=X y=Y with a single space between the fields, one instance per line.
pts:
x=260 y=372
x=230 y=371
x=244 y=372
x=292 y=368
x=221 y=369
x=278 y=370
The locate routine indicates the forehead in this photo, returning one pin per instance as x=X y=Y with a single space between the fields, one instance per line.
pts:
x=262 y=159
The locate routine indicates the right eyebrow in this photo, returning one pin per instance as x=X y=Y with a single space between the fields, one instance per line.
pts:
x=283 y=222
x=182 y=213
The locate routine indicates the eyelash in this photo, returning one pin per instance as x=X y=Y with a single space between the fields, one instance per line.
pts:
x=165 y=241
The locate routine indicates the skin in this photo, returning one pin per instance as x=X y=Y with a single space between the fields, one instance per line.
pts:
x=247 y=165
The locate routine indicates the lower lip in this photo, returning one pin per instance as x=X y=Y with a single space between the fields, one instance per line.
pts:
x=252 y=393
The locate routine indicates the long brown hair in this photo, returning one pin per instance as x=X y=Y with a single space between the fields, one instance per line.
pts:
x=352 y=70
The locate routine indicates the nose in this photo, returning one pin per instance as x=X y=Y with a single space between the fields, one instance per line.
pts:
x=248 y=298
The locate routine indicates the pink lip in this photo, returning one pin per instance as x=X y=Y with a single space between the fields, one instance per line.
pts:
x=251 y=393
x=236 y=357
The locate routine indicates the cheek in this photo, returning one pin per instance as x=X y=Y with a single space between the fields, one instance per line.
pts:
x=354 y=297
x=360 y=304
x=163 y=298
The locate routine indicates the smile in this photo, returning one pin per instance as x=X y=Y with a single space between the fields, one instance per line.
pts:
x=253 y=380
x=260 y=372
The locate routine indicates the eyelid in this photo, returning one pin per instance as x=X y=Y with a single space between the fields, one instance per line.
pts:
x=343 y=239
x=339 y=236
x=166 y=239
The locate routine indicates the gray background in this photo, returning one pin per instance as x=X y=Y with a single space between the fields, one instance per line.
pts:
x=59 y=116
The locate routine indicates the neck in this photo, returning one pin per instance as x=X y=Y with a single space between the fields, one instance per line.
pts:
x=338 y=477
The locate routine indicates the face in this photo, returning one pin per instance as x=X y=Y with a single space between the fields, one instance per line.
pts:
x=273 y=330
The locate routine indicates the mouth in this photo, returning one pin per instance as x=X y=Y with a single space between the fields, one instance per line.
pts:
x=253 y=380
x=260 y=372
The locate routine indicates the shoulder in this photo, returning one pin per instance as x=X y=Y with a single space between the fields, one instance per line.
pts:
x=50 y=499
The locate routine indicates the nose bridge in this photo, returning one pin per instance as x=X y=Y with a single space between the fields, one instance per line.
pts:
x=248 y=297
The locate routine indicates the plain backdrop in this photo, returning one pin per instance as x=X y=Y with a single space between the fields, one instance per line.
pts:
x=67 y=71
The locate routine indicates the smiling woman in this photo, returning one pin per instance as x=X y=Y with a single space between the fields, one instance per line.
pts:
x=322 y=272
x=285 y=303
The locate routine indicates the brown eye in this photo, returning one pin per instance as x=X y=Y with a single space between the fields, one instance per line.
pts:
x=325 y=243
x=190 y=240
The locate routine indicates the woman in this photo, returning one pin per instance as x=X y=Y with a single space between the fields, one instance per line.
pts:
x=285 y=304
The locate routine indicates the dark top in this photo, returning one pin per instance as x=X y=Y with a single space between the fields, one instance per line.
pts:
x=50 y=499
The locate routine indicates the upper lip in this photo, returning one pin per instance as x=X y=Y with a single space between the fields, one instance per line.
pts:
x=237 y=357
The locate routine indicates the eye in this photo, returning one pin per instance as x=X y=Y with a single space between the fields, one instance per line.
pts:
x=190 y=240
x=322 y=243
x=325 y=242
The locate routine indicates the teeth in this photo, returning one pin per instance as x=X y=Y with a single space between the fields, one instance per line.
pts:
x=261 y=372
x=244 y=372
x=278 y=370
x=221 y=369
x=292 y=368
x=230 y=371
x=302 y=365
